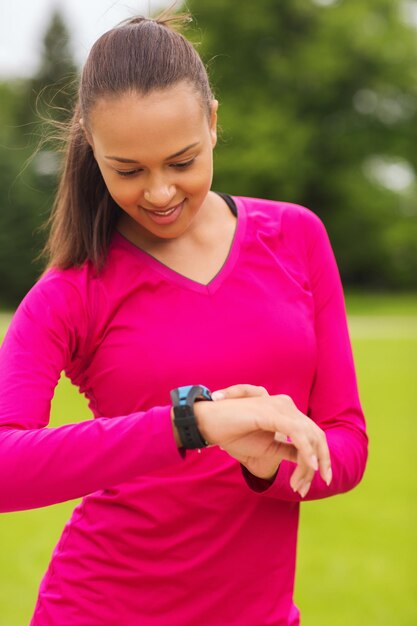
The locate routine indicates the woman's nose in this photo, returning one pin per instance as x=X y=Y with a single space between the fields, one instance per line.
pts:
x=159 y=194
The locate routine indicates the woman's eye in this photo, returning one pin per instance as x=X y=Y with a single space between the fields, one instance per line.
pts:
x=184 y=164
x=179 y=166
x=127 y=172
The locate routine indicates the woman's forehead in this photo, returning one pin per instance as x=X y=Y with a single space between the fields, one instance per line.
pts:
x=168 y=117
x=165 y=102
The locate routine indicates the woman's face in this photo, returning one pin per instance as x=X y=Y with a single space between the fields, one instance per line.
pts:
x=155 y=153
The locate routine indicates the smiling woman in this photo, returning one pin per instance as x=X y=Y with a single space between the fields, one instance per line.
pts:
x=154 y=285
x=167 y=137
x=156 y=92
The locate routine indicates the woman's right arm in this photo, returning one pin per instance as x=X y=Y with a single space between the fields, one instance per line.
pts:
x=41 y=466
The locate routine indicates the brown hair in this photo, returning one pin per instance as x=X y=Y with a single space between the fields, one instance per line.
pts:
x=140 y=55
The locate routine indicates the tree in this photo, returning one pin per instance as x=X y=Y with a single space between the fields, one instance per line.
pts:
x=18 y=214
x=318 y=102
x=52 y=89
x=27 y=185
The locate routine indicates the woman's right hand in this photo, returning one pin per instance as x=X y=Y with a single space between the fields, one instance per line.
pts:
x=261 y=430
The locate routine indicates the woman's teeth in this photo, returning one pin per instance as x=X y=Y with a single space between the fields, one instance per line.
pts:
x=167 y=212
x=168 y=216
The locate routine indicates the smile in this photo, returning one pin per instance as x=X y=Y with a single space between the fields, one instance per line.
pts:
x=167 y=212
x=167 y=216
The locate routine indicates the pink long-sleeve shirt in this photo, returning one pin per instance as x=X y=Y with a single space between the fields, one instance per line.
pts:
x=160 y=539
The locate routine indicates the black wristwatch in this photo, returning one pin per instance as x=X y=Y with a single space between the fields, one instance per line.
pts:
x=183 y=399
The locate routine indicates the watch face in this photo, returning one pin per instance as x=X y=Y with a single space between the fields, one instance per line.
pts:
x=188 y=394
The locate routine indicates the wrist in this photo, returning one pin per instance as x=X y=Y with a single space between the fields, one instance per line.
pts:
x=202 y=411
x=175 y=430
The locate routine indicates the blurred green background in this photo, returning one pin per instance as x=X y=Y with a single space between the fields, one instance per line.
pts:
x=318 y=106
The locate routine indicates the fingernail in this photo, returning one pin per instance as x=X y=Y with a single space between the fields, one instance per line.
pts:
x=218 y=395
x=304 y=489
x=329 y=476
x=295 y=486
x=314 y=462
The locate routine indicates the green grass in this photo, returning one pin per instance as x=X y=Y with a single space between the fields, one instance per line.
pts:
x=375 y=303
x=356 y=556
x=357 y=551
x=27 y=538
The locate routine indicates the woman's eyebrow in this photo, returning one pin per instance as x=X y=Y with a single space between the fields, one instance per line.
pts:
x=171 y=156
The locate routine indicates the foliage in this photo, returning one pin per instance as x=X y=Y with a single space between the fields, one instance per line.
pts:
x=318 y=102
x=21 y=202
x=51 y=91
x=28 y=163
x=318 y=106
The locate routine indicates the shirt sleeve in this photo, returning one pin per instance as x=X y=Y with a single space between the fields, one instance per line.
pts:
x=39 y=465
x=334 y=400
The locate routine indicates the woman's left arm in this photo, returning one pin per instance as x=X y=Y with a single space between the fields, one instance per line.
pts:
x=334 y=400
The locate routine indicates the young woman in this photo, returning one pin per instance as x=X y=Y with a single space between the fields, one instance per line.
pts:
x=159 y=290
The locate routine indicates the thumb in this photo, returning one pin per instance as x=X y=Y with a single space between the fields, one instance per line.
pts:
x=239 y=391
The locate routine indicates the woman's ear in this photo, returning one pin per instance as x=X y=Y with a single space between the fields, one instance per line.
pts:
x=213 y=121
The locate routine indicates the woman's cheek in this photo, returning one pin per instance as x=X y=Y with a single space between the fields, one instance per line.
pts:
x=203 y=177
x=124 y=195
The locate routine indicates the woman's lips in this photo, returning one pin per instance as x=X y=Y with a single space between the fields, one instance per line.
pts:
x=167 y=216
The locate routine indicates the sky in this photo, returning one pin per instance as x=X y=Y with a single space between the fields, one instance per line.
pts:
x=23 y=24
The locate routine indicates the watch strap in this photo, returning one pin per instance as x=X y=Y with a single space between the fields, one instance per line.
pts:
x=183 y=399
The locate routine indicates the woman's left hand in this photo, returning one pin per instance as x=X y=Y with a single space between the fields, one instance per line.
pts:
x=262 y=452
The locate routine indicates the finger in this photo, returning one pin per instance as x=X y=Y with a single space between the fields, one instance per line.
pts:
x=299 y=428
x=321 y=458
x=324 y=460
x=239 y=391
x=311 y=442
x=306 y=445
x=304 y=489
x=301 y=474
x=280 y=436
x=287 y=451
x=301 y=477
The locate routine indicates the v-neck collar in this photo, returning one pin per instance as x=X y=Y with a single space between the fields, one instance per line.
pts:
x=183 y=281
